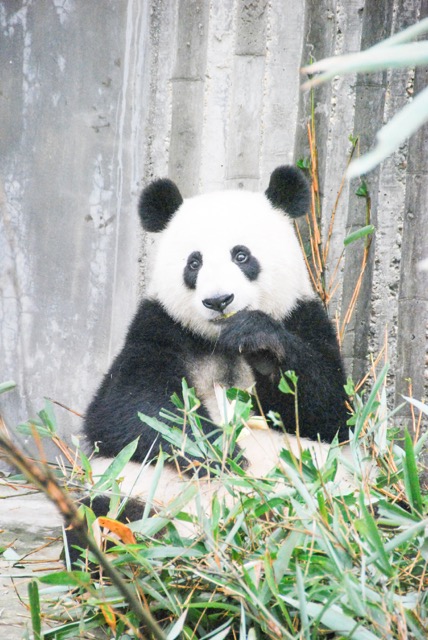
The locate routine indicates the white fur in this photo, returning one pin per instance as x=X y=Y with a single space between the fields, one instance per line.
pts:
x=213 y=224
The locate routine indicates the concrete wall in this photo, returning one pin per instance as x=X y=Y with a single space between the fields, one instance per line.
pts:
x=99 y=97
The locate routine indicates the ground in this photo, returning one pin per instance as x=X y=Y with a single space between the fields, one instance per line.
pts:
x=30 y=528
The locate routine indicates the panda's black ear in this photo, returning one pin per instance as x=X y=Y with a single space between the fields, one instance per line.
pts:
x=289 y=190
x=158 y=203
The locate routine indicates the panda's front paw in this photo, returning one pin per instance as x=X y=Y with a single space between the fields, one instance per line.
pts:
x=256 y=336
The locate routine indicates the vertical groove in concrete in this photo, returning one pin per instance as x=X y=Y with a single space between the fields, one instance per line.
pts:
x=243 y=148
x=413 y=292
x=369 y=111
x=391 y=206
x=281 y=89
x=188 y=95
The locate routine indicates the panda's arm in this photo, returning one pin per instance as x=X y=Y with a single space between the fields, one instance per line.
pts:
x=305 y=343
x=142 y=378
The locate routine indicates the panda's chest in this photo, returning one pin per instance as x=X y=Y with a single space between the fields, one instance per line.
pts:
x=205 y=372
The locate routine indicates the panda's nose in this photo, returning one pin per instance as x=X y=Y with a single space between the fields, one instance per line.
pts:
x=218 y=303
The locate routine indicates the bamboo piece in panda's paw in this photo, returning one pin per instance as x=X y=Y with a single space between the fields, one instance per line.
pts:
x=257 y=422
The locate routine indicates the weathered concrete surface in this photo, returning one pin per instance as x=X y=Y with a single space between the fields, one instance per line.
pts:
x=369 y=109
x=97 y=99
x=71 y=109
x=31 y=528
x=413 y=292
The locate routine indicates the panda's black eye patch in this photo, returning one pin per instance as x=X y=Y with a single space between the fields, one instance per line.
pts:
x=191 y=270
x=244 y=259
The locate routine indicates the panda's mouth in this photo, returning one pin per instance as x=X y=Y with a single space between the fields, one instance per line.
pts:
x=224 y=316
x=221 y=317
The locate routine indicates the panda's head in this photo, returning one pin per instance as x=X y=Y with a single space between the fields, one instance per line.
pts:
x=224 y=252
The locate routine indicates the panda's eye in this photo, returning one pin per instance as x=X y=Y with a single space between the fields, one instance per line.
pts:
x=194 y=261
x=194 y=264
x=244 y=259
x=191 y=270
x=240 y=254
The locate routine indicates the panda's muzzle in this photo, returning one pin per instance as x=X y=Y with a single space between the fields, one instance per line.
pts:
x=218 y=303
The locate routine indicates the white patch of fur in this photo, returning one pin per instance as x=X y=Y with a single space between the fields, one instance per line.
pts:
x=213 y=224
x=205 y=373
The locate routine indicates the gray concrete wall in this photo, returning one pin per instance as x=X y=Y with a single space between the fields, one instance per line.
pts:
x=99 y=97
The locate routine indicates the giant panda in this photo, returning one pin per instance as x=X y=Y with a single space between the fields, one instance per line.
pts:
x=229 y=304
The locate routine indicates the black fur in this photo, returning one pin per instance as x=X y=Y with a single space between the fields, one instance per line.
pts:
x=289 y=190
x=156 y=357
x=192 y=268
x=142 y=378
x=248 y=264
x=158 y=203
x=306 y=343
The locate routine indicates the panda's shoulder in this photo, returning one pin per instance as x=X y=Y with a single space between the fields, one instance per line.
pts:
x=150 y=310
x=309 y=319
x=154 y=331
x=151 y=320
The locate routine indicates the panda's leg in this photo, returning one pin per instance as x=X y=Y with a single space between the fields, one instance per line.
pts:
x=100 y=505
x=262 y=448
x=136 y=485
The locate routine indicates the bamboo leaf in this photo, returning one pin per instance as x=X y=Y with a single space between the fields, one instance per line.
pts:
x=156 y=553
x=402 y=126
x=395 y=514
x=368 y=61
x=359 y=233
x=411 y=476
x=47 y=415
x=114 y=469
x=173 y=435
x=369 y=527
x=118 y=528
x=109 y=615
x=177 y=627
x=67 y=578
x=369 y=406
x=219 y=633
x=410 y=33
x=334 y=618
x=74 y=629
x=400 y=539
x=281 y=564
x=153 y=485
x=7 y=386
x=303 y=605
x=418 y=404
x=36 y=620
x=419 y=632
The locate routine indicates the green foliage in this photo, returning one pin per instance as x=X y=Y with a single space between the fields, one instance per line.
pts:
x=44 y=425
x=304 y=163
x=7 y=386
x=297 y=554
x=363 y=232
x=34 y=600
